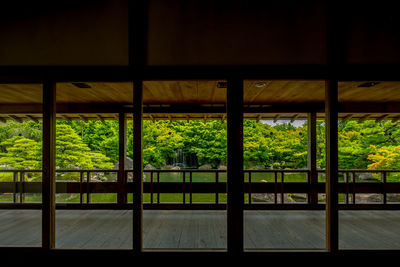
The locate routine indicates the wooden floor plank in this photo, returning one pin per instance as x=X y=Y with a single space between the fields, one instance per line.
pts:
x=198 y=229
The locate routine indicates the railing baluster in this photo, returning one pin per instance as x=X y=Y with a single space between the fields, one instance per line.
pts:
x=22 y=187
x=158 y=187
x=216 y=187
x=282 y=191
x=354 y=188
x=184 y=187
x=346 y=180
x=88 y=187
x=276 y=187
x=308 y=180
x=15 y=195
x=249 y=193
x=191 y=194
x=81 y=187
x=383 y=176
x=151 y=186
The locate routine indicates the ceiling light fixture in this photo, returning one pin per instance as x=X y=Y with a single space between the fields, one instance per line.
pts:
x=222 y=84
x=368 y=84
x=82 y=85
x=260 y=84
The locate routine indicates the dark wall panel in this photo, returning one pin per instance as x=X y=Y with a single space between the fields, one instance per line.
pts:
x=373 y=32
x=64 y=33
x=210 y=32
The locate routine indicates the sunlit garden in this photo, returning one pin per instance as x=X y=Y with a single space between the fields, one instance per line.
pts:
x=196 y=145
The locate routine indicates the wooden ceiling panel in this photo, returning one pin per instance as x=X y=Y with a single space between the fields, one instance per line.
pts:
x=278 y=91
x=183 y=92
x=97 y=93
x=21 y=93
x=207 y=92
x=377 y=92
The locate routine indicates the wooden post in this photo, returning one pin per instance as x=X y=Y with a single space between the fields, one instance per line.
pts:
x=331 y=118
x=137 y=60
x=137 y=167
x=235 y=177
x=121 y=196
x=312 y=157
x=49 y=165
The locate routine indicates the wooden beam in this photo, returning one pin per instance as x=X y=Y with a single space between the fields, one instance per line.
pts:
x=32 y=118
x=349 y=72
x=17 y=119
x=347 y=117
x=74 y=108
x=65 y=117
x=331 y=119
x=83 y=118
x=364 y=118
x=49 y=165
x=297 y=115
x=100 y=118
x=235 y=175
x=312 y=156
x=137 y=166
x=276 y=118
x=121 y=196
x=381 y=118
x=395 y=119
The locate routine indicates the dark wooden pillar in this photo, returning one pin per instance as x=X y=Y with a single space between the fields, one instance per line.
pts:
x=312 y=156
x=331 y=119
x=137 y=166
x=122 y=197
x=49 y=165
x=235 y=184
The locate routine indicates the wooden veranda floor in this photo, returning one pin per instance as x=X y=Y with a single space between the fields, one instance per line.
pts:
x=201 y=229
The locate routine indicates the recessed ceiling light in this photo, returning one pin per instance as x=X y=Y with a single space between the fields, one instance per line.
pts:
x=82 y=85
x=222 y=84
x=368 y=84
x=260 y=84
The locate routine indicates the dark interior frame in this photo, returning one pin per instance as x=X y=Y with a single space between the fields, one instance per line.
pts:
x=138 y=71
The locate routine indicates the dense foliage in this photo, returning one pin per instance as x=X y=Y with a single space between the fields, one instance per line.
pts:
x=94 y=144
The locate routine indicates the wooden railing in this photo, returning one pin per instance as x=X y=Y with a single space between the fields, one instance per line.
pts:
x=278 y=191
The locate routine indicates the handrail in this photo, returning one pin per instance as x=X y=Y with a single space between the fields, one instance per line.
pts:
x=197 y=170
x=278 y=188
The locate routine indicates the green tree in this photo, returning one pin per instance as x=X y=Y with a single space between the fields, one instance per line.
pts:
x=384 y=157
x=357 y=140
x=72 y=153
x=27 y=129
x=98 y=136
x=205 y=139
x=22 y=153
x=160 y=141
